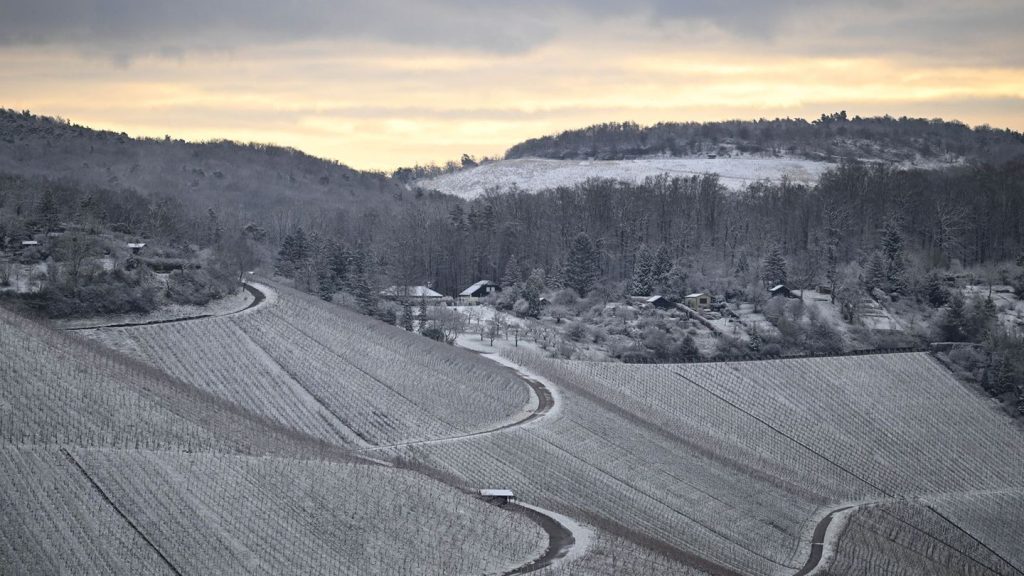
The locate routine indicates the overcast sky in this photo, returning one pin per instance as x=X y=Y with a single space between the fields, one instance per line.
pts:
x=384 y=83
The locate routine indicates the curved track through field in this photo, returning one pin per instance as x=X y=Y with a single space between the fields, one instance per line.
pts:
x=560 y=537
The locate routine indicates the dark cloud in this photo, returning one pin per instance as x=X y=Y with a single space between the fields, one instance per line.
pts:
x=974 y=31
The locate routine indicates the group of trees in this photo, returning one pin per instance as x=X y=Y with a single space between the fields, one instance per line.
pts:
x=832 y=136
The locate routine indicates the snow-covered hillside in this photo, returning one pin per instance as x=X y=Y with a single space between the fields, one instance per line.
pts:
x=534 y=174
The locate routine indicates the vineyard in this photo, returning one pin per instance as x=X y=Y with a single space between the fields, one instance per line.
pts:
x=722 y=466
x=331 y=373
x=110 y=466
x=298 y=437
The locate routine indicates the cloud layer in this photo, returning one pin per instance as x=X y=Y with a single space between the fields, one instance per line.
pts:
x=387 y=82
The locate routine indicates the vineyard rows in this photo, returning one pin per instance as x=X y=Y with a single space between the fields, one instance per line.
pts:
x=110 y=466
x=330 y=373
x=218 y=514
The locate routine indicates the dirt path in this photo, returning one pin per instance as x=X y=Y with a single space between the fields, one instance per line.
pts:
x=560 y=537
x=818 y=542
x=258 y=297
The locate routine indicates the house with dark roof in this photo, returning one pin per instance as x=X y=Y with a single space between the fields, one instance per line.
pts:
x=481 y=289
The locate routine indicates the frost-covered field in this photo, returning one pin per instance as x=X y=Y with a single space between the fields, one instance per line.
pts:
x=534 y=174
x=331 y=373
x=110 y=466
x=731 y=461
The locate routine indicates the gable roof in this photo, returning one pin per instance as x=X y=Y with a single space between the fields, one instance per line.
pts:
x=412 y=292
x=696 y=295
x=777 y=288
x=469 y=291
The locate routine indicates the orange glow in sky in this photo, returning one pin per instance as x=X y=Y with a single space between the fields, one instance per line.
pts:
x=378 y=104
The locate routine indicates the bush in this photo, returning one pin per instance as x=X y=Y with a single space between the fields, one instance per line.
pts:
x=114 y=292
x=195 y=286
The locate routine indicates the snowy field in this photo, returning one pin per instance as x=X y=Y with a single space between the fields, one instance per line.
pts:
x=535 y=174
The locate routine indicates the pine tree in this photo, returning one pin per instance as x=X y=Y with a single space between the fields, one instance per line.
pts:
x=875 y=274
x=531 y=292
x=580 y=271
x=935 y=291
x=662 y=265
x=407 y=320
x=643 y=272
x=325 y=285
x=513 y=274
x=422 y=316
x=774 y=272
x=892 y=250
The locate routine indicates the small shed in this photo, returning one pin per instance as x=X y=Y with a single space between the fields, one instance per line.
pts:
x=481 y=289
x=136 y=247
x=498 y=495
x=698 y=300
x=780 y=290
x=29 y=243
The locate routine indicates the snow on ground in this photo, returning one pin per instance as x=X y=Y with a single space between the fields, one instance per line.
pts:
x=534 y=174
x=1009 y=308
x=581 y=533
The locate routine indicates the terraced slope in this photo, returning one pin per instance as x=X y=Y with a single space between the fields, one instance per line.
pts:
x=109 y=466
x=728 y=466
x=331 y=373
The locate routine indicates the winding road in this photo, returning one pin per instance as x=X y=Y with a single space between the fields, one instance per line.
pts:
x=258 y=297
x=561 y=539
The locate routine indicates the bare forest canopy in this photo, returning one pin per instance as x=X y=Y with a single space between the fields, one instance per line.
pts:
x=832 y=137
x=246 y=180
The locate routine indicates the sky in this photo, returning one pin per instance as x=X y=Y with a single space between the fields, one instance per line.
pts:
x=378 y=84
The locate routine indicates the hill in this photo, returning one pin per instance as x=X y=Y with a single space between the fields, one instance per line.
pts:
x=255 y=179
x=110 y=466
x=830 y=138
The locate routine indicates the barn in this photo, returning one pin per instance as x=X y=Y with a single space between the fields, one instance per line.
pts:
x=481 y=289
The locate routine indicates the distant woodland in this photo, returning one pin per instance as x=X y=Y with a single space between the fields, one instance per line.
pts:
x=220 y=209
x=832 y=137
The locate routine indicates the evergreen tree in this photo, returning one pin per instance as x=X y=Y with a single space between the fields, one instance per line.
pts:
x=892 y=250
x=643 y=272
x=531 y=292
x=954 y=321
x=422 y=316
x=513 y=274
x=875 y=273
x=580 y=271
x=407 y=320
x=935 y=291
x=325 y=285
x=662 y=265
x=293 y=253
x=774 y=271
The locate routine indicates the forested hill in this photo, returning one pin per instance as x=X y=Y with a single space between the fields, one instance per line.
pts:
x=831 y=137
x=252 y=178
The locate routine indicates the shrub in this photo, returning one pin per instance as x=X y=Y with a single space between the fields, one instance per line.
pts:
x=195 y=286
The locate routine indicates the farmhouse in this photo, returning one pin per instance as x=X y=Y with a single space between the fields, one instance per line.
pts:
x=481 y=289
x=698 y=300
x=402 y=292
x=497 y=495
